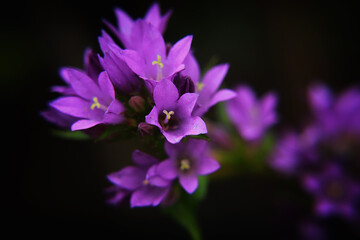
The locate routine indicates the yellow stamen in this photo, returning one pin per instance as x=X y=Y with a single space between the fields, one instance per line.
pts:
x=96 y=104
x=184 y=165
x=160 y=65
x=168 y=114
x=158 y=62
x=200 y=86
x=146 y=182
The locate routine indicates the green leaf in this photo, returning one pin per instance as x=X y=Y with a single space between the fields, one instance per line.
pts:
x=73 y=135
x=200 y=136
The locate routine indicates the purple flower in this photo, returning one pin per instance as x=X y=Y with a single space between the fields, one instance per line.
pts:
x=207 y=89
x=172 y=115
x=186 y=161
x=285 y=156
x=128 y=30
x=250 y=116
x=335 y=193
x=123 y=78
x=146 y=188
x=151 y=62
x=334 y=116
x=93 y=102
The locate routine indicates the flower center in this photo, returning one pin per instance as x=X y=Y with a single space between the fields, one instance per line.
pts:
x=96 y=104
x=145 y=182
x=184 y=164
x=167 y=120
x=159 y=66
x=200 y=86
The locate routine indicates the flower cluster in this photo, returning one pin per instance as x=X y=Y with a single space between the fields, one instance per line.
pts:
x=144 y=84
x=324 y=156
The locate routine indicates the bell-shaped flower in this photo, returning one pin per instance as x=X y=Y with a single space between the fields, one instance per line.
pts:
x=250 y=116
x=93 y=103
x=334 y=192
x=152 y=62
x=187 y=160
x=146 y=188
x=208 y=92
x=123 y=78
x=335 y=115
x=128 y=30
x=172 y=115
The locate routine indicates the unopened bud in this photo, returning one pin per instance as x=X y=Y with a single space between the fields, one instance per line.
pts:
x=137 y=103
x=184 y=84
x=145 y=129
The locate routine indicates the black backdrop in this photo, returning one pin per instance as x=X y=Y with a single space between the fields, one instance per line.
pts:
x=58 y=185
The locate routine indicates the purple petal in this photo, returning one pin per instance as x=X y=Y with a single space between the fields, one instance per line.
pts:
x=73 y=106
x=154 y=179
x=206 y=165
x=129 y=178
x=186 y=103
x=189 y=182
x=105 y=85
x=117 y=194
x=173 y=150
x=152 y=117
x=135 y=62
x=83 y=85
x=58 y=118
x=125 y=23
x=180 y=50
x=143 y=160
x=193 y=126
x=165 y=95
x=83 y=124
x=192 y=68
x=320 y=97
x=222 y=95
x=148 y=196
x=212 y=81
x=167 y=169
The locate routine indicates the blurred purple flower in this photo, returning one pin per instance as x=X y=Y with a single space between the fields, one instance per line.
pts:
x=93 y=102
x=186 y=161
x=334 y=116
x=334 y=192
x=285 y=156
x=146 y=188
x=172 y=115
x=250 y=116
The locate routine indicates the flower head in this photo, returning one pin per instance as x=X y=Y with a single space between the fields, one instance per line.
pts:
x=186 y=161
x=93 y=102
x=172 y=115
x=250 y=116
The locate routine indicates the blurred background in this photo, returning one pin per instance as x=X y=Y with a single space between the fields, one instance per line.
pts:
x=58 y=185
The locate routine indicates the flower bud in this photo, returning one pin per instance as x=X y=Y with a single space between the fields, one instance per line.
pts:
x=184 y=84
x=145 y=129
x=137 y=103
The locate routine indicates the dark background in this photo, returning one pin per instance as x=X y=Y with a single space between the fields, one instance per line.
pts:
x=57 y=186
